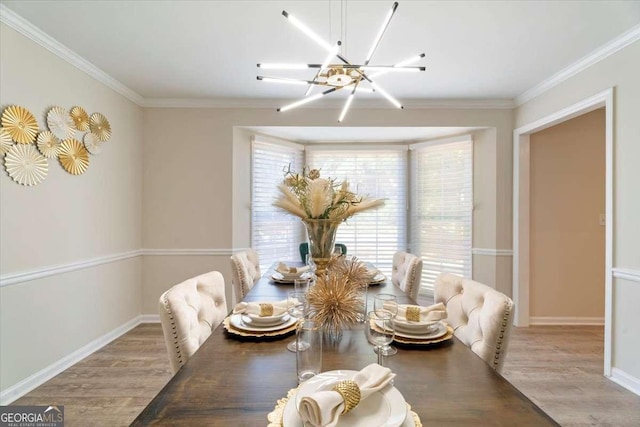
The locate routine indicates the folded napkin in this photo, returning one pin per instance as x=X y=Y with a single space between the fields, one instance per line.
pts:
x=323 y=408
x=415 y=313
x=262 y=309
x=284 y=269
x=372 y=272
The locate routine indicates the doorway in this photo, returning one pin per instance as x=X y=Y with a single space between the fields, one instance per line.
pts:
x=521 y=206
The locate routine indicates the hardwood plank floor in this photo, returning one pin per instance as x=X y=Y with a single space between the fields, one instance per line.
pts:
x=558 y=367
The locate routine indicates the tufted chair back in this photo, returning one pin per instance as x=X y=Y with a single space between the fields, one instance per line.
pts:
x=479 y=315
x=245 y=269
x=406 y=273
x=189 y=312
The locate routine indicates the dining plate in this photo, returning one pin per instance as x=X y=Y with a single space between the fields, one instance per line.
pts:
x=244 y=323
x=377 y=279
x=384 y=408
x=256 y=320
x=415 y=327
x=440 y=331
x=279 y=278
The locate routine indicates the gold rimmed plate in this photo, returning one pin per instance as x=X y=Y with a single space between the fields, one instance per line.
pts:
x=20 y=124
x=48 y=144
x=25 y=165
x=60 y=123
x=74 y=158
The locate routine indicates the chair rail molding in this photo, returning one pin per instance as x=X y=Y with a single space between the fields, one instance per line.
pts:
x=627 y=274
x=584 y=321
x=52 y=270
x=491 y=252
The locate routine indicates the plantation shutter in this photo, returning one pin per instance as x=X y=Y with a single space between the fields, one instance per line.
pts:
x=379 y=172
x=442 y=207
x=275 y=235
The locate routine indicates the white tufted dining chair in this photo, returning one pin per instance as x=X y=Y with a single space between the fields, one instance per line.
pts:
x=479 y=315
x=189 y=312
x=245 y=269
x=406 y=273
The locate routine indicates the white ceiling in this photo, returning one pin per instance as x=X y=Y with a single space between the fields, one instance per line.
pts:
x=204 y=50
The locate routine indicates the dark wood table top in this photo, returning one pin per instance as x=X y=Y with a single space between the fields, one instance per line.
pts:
x=229 y=382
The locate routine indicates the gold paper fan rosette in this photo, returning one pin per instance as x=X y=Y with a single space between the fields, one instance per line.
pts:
x=25 y=165
x=74 y=158
x=48 y=144
x=5 y=141
x=60 y=123
x=80 y=118
x=100 y=127
x=20 y=124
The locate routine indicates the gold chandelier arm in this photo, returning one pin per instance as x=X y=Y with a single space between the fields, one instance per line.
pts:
x=325 y=64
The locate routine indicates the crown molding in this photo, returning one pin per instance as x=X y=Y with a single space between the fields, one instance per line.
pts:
x=34 y=33
x=623 y=40
x=270 y=103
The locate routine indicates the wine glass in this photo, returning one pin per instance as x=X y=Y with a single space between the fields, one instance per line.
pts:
x=386 y=303
x=308 y=260
x=380 y=331
x=296 y=305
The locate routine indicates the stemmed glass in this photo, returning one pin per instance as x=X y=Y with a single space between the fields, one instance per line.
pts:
x=296 y=305
x=380 y=331
x=386 y=303
x=308 y=260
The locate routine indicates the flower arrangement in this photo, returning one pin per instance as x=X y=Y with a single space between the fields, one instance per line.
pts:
x=309 y=196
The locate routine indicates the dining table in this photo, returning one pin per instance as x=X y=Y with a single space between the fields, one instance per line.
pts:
x=232 y=381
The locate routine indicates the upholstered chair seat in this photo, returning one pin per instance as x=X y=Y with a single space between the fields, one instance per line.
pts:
x=189 y=312
x=480 y=316
x=406 y=273
x=245 y=272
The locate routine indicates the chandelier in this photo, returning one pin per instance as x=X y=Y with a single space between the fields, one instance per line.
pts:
x=333 y=77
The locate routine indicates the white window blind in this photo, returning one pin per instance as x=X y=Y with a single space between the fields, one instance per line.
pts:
x=274 y=234
x=379 y=172
x=442 y=207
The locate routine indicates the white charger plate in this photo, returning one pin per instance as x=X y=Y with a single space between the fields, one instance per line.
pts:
x=377 y=279
x=384 y=408
x=244 y=323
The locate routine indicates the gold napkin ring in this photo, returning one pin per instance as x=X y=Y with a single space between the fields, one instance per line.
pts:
x=413 y=314
x=266 y=309
x=350 y=392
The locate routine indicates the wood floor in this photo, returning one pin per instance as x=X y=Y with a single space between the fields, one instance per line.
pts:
x=559 y=368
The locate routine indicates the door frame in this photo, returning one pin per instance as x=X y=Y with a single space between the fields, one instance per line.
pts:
x=521 y=187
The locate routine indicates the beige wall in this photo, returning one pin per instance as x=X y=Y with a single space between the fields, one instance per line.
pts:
x=566 y=198
x=620 y=71
x=66 y=219
x=200 y=198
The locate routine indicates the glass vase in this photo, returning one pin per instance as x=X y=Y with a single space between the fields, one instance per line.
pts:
x=321 y=234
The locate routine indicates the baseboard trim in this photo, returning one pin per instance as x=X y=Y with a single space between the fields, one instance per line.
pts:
x=150 y=318
x=625 y=380
x=25 y=386
x=598 y=321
